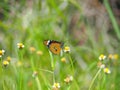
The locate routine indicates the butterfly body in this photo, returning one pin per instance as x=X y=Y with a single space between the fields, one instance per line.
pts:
x=54 y=46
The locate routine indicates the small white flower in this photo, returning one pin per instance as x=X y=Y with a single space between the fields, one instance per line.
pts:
x=102 y=57
x=5 y=63
x=56 y=85
x=107 y=70
x=2 y=52
x=68 y=79
x=102 y=66
x=67 y=49
x=71 y=78
x=63 y=59
x=35 y=73
x=20 y=45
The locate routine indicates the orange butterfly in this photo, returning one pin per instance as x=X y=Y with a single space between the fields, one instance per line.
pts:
x=54 y=46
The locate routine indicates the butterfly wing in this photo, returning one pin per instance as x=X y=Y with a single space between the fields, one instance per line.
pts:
x=55 y=47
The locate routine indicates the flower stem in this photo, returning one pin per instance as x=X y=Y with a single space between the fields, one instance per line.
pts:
x=95 y=78
x=20 y=80
x=1 y=62
x=36 y=78
x=38 y=83
x=20 y=54
x=46 y=70
x=68 y=88
x=4 y=85
x=52 y=62
x=52 y=65
x=71 y=62
x=32 y=64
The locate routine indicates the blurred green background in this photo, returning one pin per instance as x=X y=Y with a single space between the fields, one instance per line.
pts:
x=89 y=27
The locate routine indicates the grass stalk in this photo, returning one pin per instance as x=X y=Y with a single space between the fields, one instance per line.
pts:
x=112 y=18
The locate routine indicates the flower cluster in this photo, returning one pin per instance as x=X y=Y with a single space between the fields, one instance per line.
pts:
x=6 y=62
x=104 y=60
x=113 y=56
x=33 y=50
